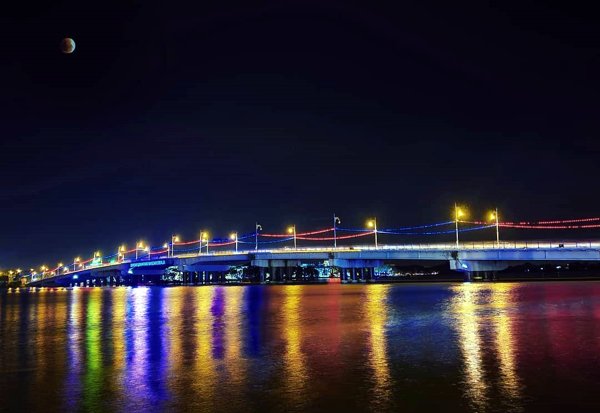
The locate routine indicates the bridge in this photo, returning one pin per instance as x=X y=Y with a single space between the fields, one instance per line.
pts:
x=277 y=257
x=349 y=264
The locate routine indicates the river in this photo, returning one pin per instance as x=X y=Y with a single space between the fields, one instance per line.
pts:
x=452 y=347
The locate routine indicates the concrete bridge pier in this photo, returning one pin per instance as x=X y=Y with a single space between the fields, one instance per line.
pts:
x=478 y=270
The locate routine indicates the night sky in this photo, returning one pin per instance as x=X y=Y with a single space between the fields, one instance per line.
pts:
x=173 y=117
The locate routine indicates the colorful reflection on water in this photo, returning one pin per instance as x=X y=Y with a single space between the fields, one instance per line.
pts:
x=498 y=347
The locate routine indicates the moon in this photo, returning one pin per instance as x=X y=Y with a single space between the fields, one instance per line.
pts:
x=67 y=45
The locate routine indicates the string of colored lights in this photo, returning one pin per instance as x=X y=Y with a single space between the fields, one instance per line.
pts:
x=450 y=231
x=520 y=226
x=268 y=242
x=438 y=224
x=299 y=234
x=332 y=238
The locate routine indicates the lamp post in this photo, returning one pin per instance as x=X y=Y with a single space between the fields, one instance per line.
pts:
x=234 y=237
x=292 y=230
x=336 y=220
x=121 y=253
x=373 y=224
x=75 y=262
x=494 y=217
x=256 y=229
x=97 y=255
x=174 y=239
x=166 y=246
x=204 y=238
x=138 y=246
x=457 y=214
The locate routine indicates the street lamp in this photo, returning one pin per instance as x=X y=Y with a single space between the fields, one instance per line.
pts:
x=336 y=220
x=373 y=224
x=292 y=230
x=97 y=255
x=256 y=229
x=204 y=238
x=121 y=253
x=174 y=239
x=458 y=213
x=494 y=217
x=138 y=246
x=234 y=237
x=75 y=262
x=60 y=264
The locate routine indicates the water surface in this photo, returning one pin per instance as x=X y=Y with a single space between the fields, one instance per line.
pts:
x=498 y=347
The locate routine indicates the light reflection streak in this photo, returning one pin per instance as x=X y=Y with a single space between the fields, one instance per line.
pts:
x=505 y=345
x=234 y=362
x=137 y=353
x=204 y=364
x=294 y=359
x=464 y=309
x=376 y=313
x=173 y=310
x=118 y=318
x=93 y=370
x=72 y=389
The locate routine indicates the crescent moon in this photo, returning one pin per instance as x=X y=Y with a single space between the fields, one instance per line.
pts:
x=67 y=45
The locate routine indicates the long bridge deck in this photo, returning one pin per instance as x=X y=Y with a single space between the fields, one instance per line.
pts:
x=469 y=258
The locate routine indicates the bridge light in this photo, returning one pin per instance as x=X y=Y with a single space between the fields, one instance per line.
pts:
x=140 y=244
x=372 y=223
x=165 y=245
x=495 y=218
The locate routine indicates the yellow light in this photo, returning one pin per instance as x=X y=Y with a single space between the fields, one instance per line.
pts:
x=176 y=238
x=165 y=245
x=492 y=216
x=233 y=236
x=18 y=270
x=290 y=230
x=60 y=264
x=96 y=254
x=77 y=259
x=122 y=248
x=140 y=244
x=371 y=224
x=459 y=212
x=147 y=249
